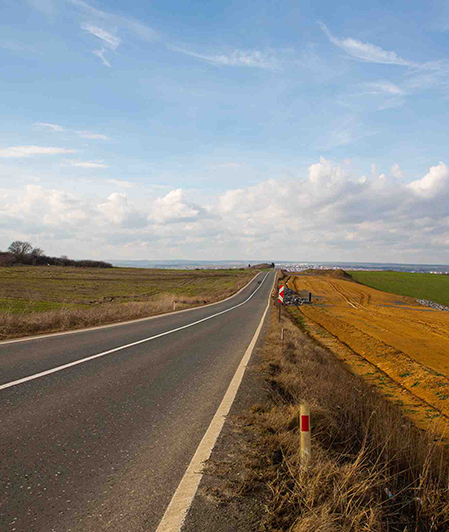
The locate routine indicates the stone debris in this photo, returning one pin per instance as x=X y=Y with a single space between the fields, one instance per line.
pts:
x=294 y=298
x=432 y=304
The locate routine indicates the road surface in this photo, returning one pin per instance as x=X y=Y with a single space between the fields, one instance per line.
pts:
x=103 y=444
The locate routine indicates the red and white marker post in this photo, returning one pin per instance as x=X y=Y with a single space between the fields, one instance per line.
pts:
x=281 y=294
x=280 y=300
x=304 y=413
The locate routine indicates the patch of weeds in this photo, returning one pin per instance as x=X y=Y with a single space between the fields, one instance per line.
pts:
x=298 y=319
x=382 y=381
x=406 y=374
x=432 y=416
x=442 y=396
x=414 y=384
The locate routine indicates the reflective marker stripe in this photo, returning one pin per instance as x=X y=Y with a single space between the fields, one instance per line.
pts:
x=305 y=423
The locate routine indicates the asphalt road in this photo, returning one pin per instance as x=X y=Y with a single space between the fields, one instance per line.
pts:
x=103 y=445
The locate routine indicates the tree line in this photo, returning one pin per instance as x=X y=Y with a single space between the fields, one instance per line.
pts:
x=23 y=253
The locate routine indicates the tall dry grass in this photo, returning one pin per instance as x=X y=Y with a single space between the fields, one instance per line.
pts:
x=371 y=469
x=13 y=325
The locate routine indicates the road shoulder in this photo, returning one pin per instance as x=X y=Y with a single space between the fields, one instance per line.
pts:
x=219 y=504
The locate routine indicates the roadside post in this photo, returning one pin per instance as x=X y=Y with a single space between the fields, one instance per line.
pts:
x=304 y=414
x=280 y=300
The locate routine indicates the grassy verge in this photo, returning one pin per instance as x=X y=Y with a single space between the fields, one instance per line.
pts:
x=37 y=300
x=419 y=285
x=371 y=468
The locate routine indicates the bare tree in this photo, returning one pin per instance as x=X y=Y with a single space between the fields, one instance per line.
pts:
x=37 y=252
x=20 y=249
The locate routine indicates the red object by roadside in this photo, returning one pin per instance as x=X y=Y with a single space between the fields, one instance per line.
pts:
x=281 y=294
x=305 y=423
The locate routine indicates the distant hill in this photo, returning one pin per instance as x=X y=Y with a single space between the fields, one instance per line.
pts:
x=336 y=274
x=186 y=264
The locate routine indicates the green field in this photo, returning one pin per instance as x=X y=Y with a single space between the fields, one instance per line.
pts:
x=419 y=285
x=28 y=289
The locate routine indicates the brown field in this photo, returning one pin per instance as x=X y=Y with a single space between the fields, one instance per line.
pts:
x=392 y=341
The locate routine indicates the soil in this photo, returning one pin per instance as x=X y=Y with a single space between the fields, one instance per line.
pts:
x=387 y=339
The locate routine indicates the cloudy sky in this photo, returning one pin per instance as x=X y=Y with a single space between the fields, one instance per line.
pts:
x=287 y=130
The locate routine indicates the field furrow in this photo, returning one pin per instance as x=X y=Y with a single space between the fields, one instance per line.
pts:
x=403 y=340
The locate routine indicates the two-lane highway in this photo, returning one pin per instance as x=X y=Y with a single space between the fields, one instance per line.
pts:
x=99 y=426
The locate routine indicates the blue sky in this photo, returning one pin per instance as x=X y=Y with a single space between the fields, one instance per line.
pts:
x=211 y=130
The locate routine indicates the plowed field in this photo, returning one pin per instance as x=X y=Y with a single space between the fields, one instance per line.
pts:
x=400 y=345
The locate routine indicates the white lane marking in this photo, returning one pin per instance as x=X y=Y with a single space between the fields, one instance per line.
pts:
x=93 y=357
x=176 y=511
x=87 y=329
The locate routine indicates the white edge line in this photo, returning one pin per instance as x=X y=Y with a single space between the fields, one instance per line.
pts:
x=104 y=353
x=87 y=329
x=176 y=511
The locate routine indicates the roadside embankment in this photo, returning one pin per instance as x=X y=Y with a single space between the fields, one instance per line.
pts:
x=371 y=468
x=390 y=340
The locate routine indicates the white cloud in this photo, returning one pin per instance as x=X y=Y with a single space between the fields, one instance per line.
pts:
x=100 y=54
x=243 y=58
x=28 y=151
x=91 y=135
x=433 y=184
x=109 y=40
x=139 y=29
x=366 y=51
x=116 y=207
x=331 y=212
x=396 y=171
x=47 y=207
x=385 y=87
x=174 y=207
x=86 y=164
x=87 y=7
x=119 y=210
x=325 y=174
x=52 y=127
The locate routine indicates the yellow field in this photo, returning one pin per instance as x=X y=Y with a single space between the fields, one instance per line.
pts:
x=399 y=345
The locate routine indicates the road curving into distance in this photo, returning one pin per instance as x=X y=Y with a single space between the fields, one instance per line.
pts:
x=99 y=426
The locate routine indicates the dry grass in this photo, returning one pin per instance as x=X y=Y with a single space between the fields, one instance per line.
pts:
x=29 y=322
x=371 y=468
